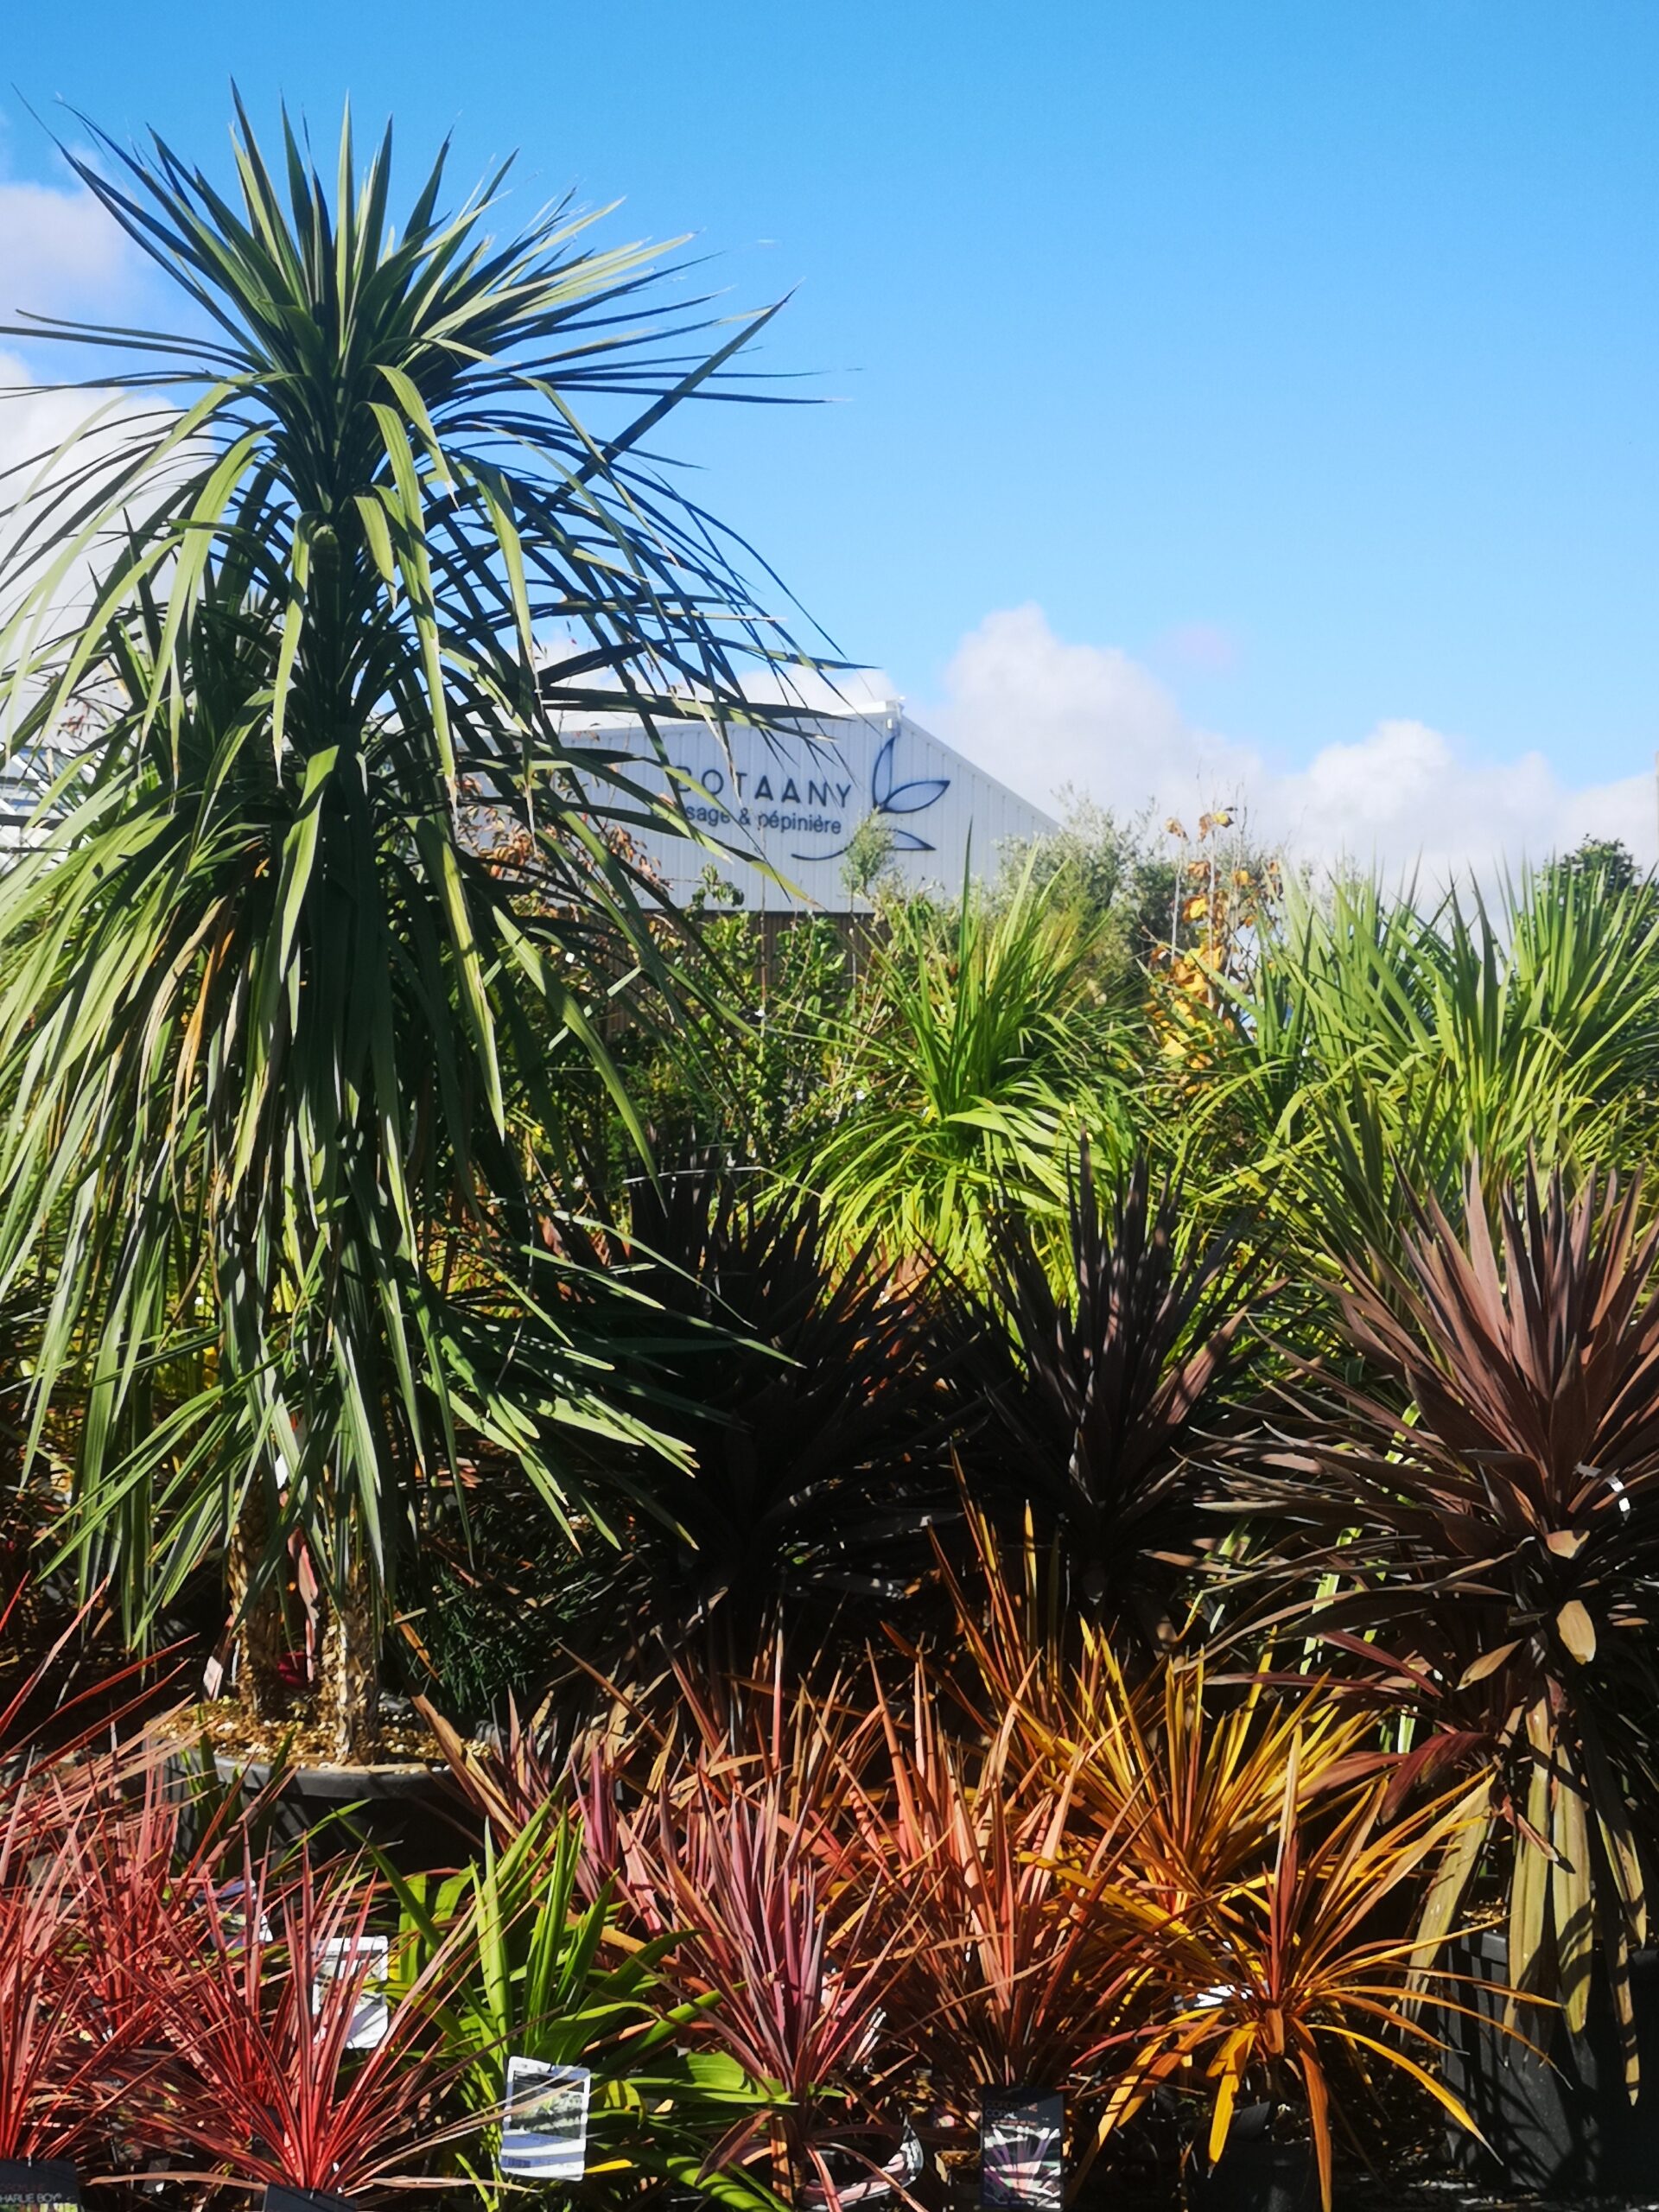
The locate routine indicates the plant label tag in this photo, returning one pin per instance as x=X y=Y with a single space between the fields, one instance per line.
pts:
x=39 y=2184
x=1021 y=2149
x=362 y=1959
x=278 y=2199
x=544 y=2132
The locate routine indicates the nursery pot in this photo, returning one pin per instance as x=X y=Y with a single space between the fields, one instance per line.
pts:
x=414 y=1813
x=1561 y=2121
x=280 y=2198
x=1255 y=2173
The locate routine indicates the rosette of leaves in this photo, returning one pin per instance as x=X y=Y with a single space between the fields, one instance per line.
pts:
x=548 y=1978
x=1098 y=1386
x=1470 y=1513
x=1289 y=1986
x=799 y=1383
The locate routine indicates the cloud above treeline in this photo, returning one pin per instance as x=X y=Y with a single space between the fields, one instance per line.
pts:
x=1043 y=714
x=60 y=253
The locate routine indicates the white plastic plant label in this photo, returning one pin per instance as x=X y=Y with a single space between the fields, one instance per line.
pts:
x=342 y=1958
x=544 y=2130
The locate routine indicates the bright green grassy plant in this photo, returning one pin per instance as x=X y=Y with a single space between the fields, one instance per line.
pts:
x=1383 y=1034
x=977 y=1052
x=552 y=1978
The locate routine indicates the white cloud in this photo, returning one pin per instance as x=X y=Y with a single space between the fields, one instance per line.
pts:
x=1041 y=714
x=42 y=433
x=60 y=254
x=1406 y=793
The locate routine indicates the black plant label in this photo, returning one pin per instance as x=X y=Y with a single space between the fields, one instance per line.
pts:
x=39 y=2184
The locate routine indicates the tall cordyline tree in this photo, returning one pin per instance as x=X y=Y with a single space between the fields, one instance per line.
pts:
x=266 y=997
x=1470 y=1513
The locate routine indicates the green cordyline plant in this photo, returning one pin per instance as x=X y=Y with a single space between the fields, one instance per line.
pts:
x=265 y=996
x=1381 y=1028
x=548 y=1978
x=1470 y=1513
x=976 y=1051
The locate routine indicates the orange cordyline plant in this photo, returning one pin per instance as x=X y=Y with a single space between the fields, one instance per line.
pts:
x=1289 y=1978
x=1194 y=1770
x=1010 y=1978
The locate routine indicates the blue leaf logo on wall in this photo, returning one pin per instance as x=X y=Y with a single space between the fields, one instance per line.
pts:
x=888 y=798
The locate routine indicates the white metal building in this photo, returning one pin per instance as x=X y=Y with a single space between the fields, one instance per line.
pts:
x=792 y=802
x=781 y=807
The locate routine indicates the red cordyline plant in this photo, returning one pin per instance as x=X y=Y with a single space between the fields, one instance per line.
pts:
x=41 y=1725
x=135 y=1873
x=257 y=2000
x=76 y=2034
x=1010 y=1973
x=800 y=1955
x=741 y=1728
x=70 y=2059
x=1476 y=1525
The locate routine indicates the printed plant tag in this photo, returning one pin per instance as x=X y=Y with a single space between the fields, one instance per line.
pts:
x=1021 y=2149
x=39 y=2184
x=544 y=2132
x=341 y=1958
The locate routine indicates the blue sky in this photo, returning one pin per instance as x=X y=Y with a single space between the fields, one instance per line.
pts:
x=1222 y=384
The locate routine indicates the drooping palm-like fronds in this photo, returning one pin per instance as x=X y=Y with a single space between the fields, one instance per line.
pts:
x=975 y=1057
x=261 y=985
x=1485 y=1507
x=1097 y=1391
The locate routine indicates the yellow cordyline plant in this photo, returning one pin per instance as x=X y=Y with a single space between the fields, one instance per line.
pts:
x=1201 y=1784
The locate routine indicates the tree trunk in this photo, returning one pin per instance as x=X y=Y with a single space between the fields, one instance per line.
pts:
x=257 y=1610
x=348 y=1692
